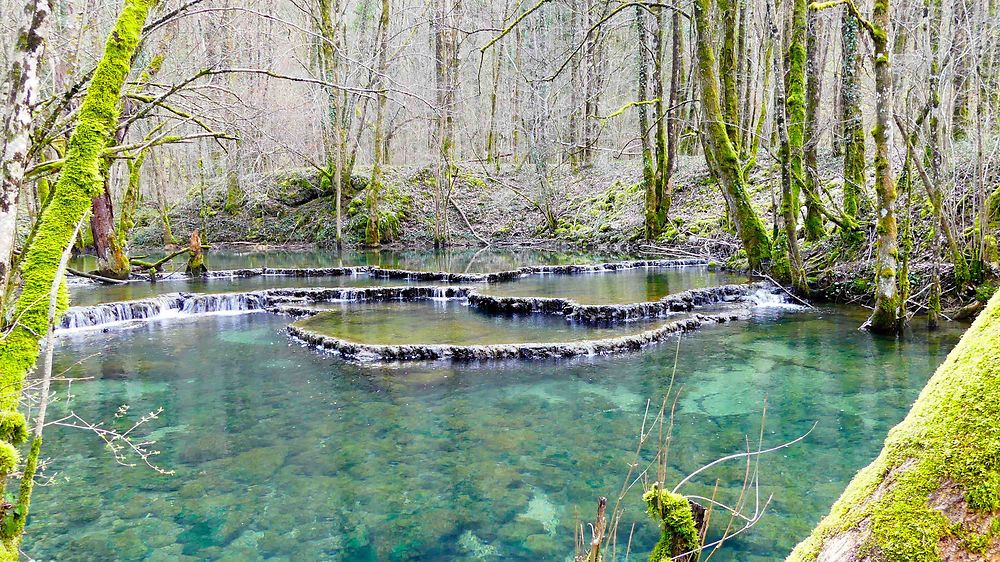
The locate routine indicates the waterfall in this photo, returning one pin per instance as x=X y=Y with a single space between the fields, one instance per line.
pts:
x=175 y=304
x=225 y=302
x=97 y=315
x=768 y=298
x=164 y=306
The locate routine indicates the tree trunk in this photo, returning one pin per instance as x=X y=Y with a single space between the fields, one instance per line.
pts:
x=24 y=83
x=814 y=91
x=795 y=103
x=720 y=153
x=446 y=63
x=334 y=141
x=78 y=185
x=111 y=259
x=652 y=227
x=932 y=154
x=373 y=235
x=853 y=126
x=932 y=492
x=576 y=23
x=885 y=318
x=962 y=81
x=661 y=175
x=728 y=71
x=671 y=117
x=196 y=256
x=491 y=147
x=786 y=260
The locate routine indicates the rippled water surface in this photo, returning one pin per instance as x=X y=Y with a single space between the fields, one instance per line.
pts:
x=283 y=453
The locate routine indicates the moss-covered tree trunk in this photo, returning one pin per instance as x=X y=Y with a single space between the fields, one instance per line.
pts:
x=131 y=198
x=651 y=225
x=79 y=183
x=813 y=224
x=786 y=260
x=934 y=491
x=664 y=161
x=728 y=71
x=962 y=77
x=671 y=116
x=373 y=231
x=446 y=70
x=196 y=256
x=932 y=156
x=492 y=148
x=853 y=126
x=658 y=169
x=885 y=318
x=795 y=102
x=334 y=141
x=720 y=153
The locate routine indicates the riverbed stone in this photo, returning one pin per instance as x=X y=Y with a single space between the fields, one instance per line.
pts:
x=257 y=465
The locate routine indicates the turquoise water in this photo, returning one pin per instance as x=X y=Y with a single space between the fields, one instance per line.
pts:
x=616 y=287
x=458 y=260
x=286 y=454
x=462 y=260
x=454 y=322
x=95 y=294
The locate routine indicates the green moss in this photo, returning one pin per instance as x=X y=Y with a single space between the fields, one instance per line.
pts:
x=976 y=543
x=721 y=153
x=950 y=435
x=678 y=530
x=234 y=195
x=9 y=457
x=781 y=265
x=13 y=427
x=990 y=251
x=985 y=291
x=393 y=206
x=79 y=182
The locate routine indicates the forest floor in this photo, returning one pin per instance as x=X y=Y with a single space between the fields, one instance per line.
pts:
x=600 y=208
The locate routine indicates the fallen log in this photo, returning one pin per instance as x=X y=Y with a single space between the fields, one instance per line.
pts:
x=95 y=277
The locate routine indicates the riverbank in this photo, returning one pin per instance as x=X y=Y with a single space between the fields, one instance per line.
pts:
x=598 y=210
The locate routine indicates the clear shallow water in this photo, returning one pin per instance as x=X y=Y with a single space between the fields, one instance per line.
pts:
x=453 y=322
x=457 y=260
x=81 y=295
x=283 y=453
x=616 y=287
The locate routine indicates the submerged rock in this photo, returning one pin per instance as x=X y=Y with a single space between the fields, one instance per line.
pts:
x=475 y=547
